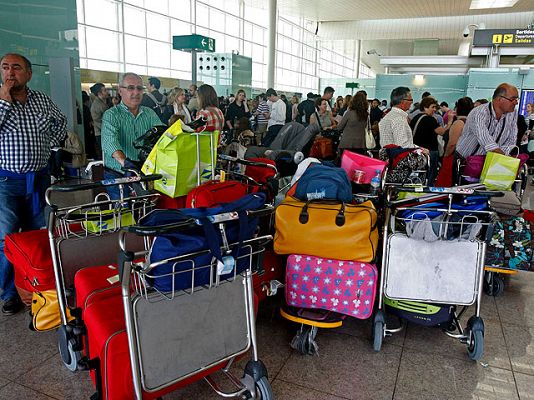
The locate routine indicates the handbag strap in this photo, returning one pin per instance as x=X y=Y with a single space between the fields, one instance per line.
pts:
x=489 y=125
x=318 y=120
x=417 y=123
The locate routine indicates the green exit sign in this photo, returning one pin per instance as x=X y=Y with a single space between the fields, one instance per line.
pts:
x=352 y=85
x=193 y=42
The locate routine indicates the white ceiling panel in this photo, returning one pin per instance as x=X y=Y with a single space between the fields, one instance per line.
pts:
x=347 y=10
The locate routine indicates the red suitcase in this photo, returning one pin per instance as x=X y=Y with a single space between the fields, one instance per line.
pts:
x=29 y=252
x=90 y=281
x=108 y=341
x=212 y=193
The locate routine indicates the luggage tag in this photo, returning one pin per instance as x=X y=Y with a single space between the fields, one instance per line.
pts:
x=225 y=266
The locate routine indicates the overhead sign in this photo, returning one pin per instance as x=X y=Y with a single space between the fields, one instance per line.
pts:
x=193 y=43
x=503 y=37
x=352 y=85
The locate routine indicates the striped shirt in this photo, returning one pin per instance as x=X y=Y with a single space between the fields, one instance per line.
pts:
x=120 y=128
x=263 y=107
x=28 y=132
x=394 y=129
x=483 y=132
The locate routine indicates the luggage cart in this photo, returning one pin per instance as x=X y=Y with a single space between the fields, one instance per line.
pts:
x=86 y=235
x=180 y=336
x=423 y=282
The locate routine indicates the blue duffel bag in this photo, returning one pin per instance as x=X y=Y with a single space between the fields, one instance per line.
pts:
x=321 y=182
x=204 y=236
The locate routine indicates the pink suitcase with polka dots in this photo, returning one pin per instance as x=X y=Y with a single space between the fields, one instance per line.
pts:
x=345 y=287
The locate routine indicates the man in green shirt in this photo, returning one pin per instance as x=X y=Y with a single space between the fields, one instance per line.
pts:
x=122 y=124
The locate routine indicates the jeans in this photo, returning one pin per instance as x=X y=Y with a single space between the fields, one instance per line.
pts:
x=114 y=191
x=16 y=214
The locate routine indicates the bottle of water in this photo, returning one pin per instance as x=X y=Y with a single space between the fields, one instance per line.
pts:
x=375 y=184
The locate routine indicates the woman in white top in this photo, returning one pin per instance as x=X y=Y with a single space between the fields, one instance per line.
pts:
x=177 y=99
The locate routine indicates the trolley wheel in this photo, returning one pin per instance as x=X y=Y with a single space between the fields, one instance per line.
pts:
x=67 y=344
x=378 y=331
x=264 y=391
x=304 y=341
x=475 y=346
x=495 y=286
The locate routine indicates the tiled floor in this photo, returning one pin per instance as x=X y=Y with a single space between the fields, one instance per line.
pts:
x=418 y=363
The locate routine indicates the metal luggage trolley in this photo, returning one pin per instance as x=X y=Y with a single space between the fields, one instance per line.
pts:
x=424 y=282
x=86 y=235
x=183 y=335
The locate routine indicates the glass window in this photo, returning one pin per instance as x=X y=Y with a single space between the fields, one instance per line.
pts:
x=102 y=44
x=161 y=72
x=81 y=41
x=248 y=31
x=216 y=20
x=138 y=69
x=232 y=25
x=256 y=15
x=157 y=27
x=258 y=35
x=161 y=6
x=219 y=40
x=103 y=65
x=80 y=12
x=247 y=49
x=181 y=75
x=138 y=3
x=180 y=9
x=179 y=28
x=135 y=50
x=181 y=60
x=134 y=21
x=202 y=15
x=232 y=43
x=101 y=13
x=257 y=53
x=83 y=62
x=159 y=54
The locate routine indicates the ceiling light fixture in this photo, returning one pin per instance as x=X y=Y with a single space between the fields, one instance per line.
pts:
x=483 y=4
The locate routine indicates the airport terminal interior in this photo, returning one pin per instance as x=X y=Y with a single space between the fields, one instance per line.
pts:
x=358 y=64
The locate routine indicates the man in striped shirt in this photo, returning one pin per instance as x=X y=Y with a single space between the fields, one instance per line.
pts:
x=121 y=125
x=30 y=125
x=491 y=126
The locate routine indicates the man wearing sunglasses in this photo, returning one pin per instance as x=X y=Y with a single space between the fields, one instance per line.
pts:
x=121 y=125
x=491 y=126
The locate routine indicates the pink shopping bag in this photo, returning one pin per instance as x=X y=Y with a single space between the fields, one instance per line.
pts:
x=361 y=167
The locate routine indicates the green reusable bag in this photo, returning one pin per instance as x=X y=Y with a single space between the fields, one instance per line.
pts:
x=175 y=157
x=499 y=171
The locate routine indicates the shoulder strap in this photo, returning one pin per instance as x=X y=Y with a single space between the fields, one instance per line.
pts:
x=318 y=120
x=417 y=123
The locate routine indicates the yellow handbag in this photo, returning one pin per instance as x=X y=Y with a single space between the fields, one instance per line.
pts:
x=326 y=229
x=45 y=311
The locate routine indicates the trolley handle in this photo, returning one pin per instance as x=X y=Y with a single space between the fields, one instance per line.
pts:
x=250 y=163
x=191 y=222
x=127 y=180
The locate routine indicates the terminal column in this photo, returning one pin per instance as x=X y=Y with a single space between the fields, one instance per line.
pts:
x=271 y=46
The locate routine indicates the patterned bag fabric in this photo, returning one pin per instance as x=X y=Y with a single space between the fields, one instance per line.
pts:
x=495 y=248
x=517 y=237
x=346 y=287
x=403 y=165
